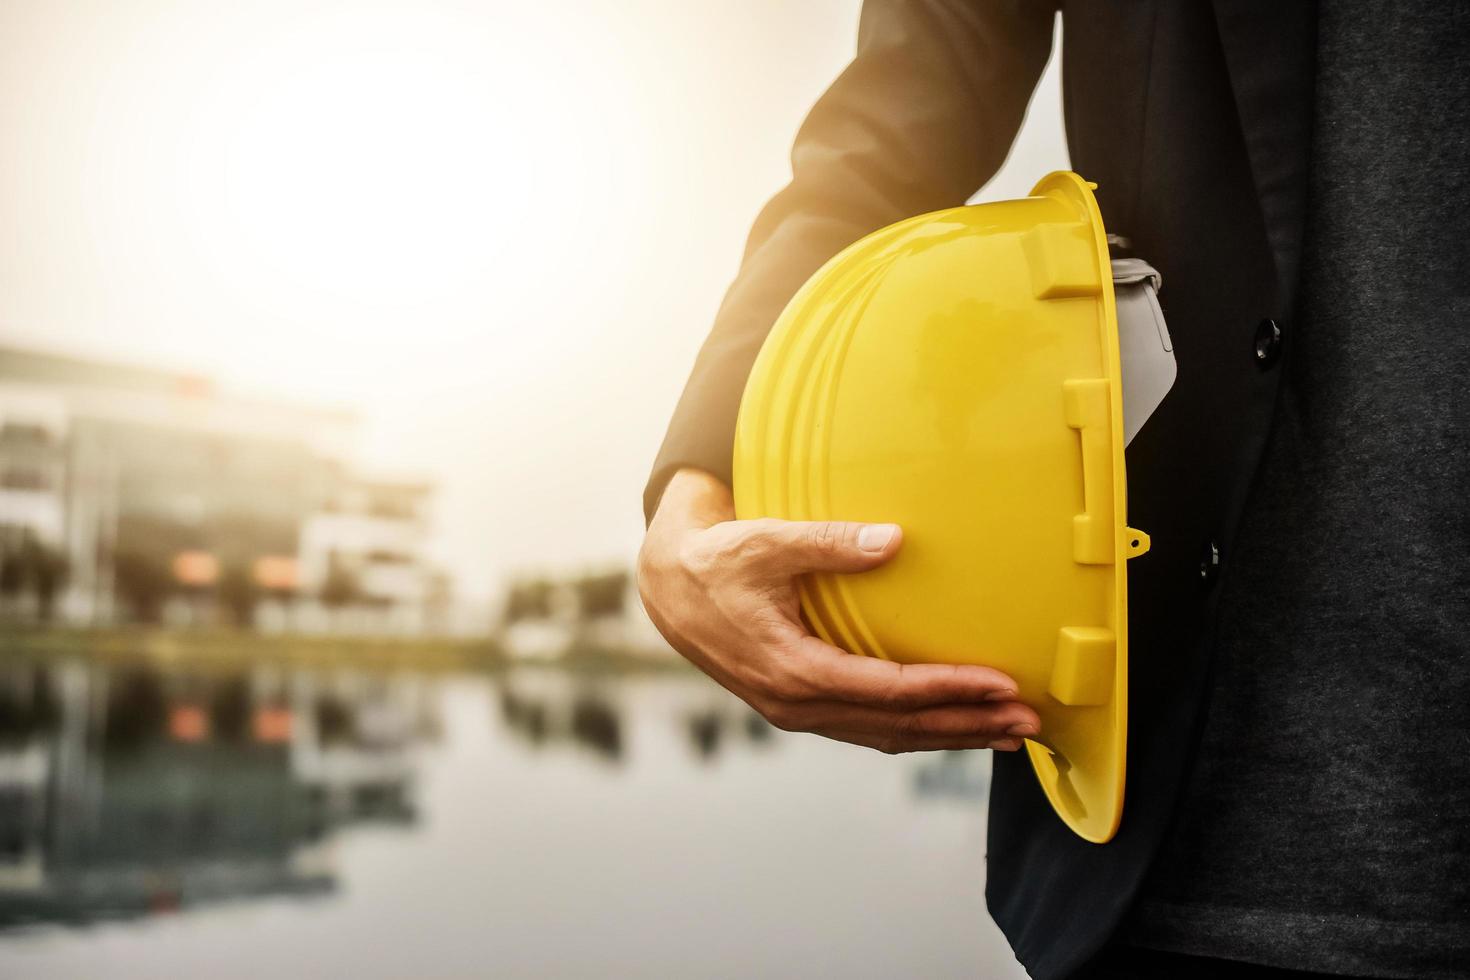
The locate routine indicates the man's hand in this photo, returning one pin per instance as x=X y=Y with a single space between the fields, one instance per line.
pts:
x=723 y=593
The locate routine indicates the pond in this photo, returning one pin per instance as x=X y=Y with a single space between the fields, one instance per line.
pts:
x=537 y=822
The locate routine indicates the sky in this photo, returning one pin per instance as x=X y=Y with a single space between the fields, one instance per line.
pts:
x=498 y=232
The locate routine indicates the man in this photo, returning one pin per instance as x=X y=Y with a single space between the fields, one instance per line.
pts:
x=1299 y=754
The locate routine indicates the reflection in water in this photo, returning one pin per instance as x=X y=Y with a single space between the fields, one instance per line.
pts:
x=130 y=791
x=651 y=817
x=711 y=727
x=595 y=723
x=757 y=729
x=953 y=775
x=135 y=791
x=704 y=733
x=544 y=714
x=549 y=706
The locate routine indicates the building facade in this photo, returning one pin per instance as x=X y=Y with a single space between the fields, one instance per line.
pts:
x=131 y=494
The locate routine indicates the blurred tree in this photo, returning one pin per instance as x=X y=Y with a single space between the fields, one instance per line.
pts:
x=35 y=568
x=336 y=722
x=142 y=569
x=238 y=593
x=602 y=594
x=50 y=569
x=528 y=599
x=12 y=573
x=341 y=587
x=143 y=581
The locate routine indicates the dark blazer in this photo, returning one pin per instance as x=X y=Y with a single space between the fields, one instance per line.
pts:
x=1194 y=119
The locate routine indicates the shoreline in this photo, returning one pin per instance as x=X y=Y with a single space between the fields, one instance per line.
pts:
x=232 y=648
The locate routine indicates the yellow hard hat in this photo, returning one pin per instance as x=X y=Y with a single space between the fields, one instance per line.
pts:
x=958 y=374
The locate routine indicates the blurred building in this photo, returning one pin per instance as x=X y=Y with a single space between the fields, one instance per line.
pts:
x=548 y=617
x=133 y=494
x=139 y=792
x=365 y=547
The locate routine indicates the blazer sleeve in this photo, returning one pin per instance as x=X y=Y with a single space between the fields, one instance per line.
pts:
x=923 y=116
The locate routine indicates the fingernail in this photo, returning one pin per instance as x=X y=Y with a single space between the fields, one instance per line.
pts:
x=1005 y=745
x=875 y=537
x=1025 y=729
x=1002 y=695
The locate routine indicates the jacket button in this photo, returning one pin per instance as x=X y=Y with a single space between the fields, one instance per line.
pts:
x=1209 y=564
x=1268 y=343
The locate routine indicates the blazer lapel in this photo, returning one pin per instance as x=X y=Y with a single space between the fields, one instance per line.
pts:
x=1270 y=52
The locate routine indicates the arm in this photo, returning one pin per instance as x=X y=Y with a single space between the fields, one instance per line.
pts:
x=920 y=120
x=923 y=116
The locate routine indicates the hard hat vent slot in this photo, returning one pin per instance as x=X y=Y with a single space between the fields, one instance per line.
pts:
x=1088 y=410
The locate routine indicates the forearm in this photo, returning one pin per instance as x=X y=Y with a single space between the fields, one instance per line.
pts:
x=696 y=498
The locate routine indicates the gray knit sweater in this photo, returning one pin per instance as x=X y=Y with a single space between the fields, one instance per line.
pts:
x=1327 y=822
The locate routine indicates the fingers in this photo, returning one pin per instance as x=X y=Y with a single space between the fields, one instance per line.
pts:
x=1001 y=726
x=899 y=717
x=966 y=722
x=823 y=671
x=786 y=548
x=922 y=708
x=724 y=596
x=922 y=743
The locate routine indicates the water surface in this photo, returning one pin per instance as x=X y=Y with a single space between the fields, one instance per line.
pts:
x=540 y=822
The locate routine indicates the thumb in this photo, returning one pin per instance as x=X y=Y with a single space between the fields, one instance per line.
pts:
x=830 y=546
